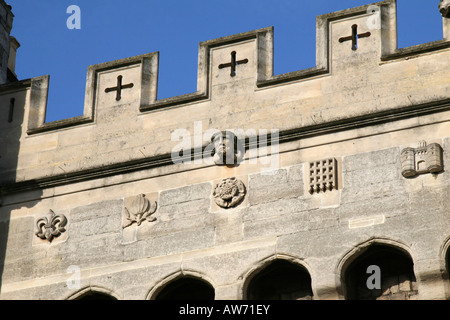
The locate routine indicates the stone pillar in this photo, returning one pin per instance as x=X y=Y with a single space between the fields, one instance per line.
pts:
x=446 y=25
x=13 y=46
x=6 y=20
x=431 y=284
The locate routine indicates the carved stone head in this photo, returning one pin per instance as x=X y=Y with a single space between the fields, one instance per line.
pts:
x=226 y=148
x=444 y=8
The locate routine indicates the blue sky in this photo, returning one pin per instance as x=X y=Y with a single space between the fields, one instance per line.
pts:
x=116 y=29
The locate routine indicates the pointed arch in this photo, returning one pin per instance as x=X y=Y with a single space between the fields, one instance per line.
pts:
x=94 y=293
x=183 y=285
x=279 y=277
x=379 y=268
x=444 y=254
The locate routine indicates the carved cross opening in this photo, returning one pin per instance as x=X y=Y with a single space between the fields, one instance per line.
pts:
x=119 y=88
x=233 y=64
x=355 y=36
x=11 y=110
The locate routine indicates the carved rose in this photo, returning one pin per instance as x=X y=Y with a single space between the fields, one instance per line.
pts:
x=51 y=227
x=229 y=193
x=140 y=210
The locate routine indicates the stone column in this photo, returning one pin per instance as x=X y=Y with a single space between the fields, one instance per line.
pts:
x=6 y=20
x=446 y=25
x=13 y=46
x=431 y=284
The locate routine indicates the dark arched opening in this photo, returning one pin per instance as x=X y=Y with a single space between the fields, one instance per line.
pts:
x=187 y=288
x=94 y=295
x=447 y=262
x=280 y=280
x=381 y=273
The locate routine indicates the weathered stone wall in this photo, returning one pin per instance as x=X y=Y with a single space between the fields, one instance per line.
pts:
x=138 y=127
x=6 y=19
x=374 y=203
x=359 y=108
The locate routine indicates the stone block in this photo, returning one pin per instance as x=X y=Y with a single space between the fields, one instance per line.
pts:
x=184 y=209
x=356 y=107
x=184 y=241
x=135 y=250
x=375 y=159
x=275 y=226
x=184 y=194
x=286 y=183
x=229 y=229
x=180 y=224
x=91 y=252
x=20 y=236
x=231 y=264
x=278 y=208
x=96 y=210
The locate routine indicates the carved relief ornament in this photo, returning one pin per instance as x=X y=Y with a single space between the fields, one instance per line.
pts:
x=140 y=210
x=229 y=192
x=323 y=175
x=424 y=159
x=228 y=150
x=51 y=227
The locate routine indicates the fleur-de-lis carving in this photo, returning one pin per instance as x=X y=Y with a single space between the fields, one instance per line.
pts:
x=51 y=227
x=140 y=210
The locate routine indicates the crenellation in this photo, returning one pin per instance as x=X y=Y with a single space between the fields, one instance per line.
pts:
x=342 y=182
x=350 y=85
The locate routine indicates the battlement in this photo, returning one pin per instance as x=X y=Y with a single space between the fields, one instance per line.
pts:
x=315 y=178
x=360 y=77
x=8 y=45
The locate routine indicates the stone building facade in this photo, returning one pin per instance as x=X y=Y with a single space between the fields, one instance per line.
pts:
x=325 y=183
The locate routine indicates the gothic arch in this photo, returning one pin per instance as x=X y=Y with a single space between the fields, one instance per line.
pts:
x=273 y=266
x=391 y=256
x=445 y=258
x=444 y=254
x=185 y=278
x=94 y=293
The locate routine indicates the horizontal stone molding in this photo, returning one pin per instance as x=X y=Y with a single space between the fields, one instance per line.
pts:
x=265 y=75
x=284 y=137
